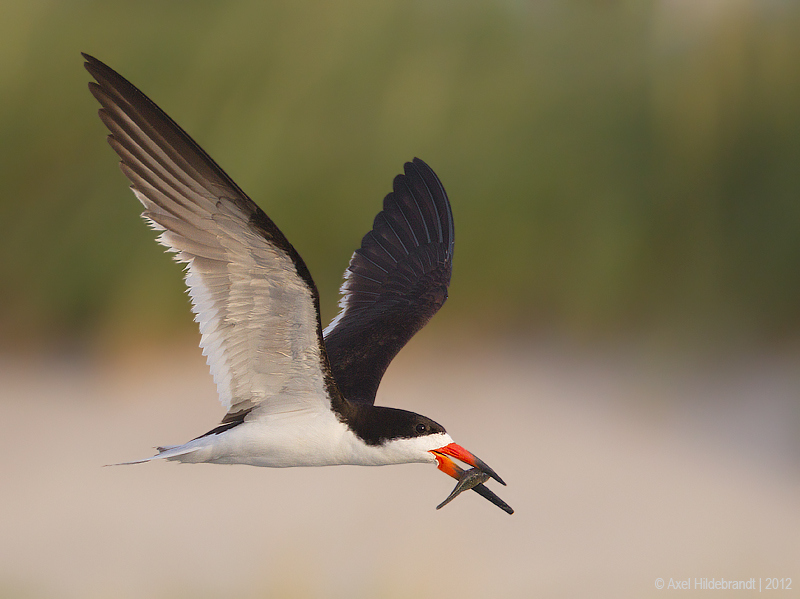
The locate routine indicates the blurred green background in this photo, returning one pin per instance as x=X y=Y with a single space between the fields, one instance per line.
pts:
x=625 y=177
x=615 y=168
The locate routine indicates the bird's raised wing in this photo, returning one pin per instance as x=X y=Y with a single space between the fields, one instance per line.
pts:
x=254 y=299
x=397 y=280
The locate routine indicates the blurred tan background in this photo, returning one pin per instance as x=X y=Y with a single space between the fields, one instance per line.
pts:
x=626 y=187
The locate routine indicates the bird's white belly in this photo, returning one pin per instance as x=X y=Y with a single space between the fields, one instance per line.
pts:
x=294 y=439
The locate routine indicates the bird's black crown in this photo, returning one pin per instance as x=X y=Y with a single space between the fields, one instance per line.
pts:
x=376 y=425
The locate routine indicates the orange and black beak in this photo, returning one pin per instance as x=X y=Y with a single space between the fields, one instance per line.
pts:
x=446 y=465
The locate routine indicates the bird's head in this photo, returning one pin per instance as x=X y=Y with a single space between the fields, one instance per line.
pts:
x=399 y=437
x=415 y=438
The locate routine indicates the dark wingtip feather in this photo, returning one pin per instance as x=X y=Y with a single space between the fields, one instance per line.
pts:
x=93 y=65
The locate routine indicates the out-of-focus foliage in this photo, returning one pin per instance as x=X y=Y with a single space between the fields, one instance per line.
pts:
x=613 y=166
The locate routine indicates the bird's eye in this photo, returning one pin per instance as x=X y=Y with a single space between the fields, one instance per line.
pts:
x=421 y=428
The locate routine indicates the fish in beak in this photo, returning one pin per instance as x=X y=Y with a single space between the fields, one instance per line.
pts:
x=468 y=479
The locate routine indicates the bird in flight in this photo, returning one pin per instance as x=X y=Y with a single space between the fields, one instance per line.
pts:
x=295 y=395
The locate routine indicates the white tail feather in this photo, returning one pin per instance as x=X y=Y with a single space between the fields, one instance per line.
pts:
x=164 y=453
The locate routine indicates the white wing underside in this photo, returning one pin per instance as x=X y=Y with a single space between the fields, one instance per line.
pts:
x=253 y=311
x=257 y=316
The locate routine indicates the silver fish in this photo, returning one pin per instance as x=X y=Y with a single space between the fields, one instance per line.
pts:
x=468 y=479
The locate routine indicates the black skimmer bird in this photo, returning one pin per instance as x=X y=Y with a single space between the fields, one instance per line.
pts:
x=296 y=395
